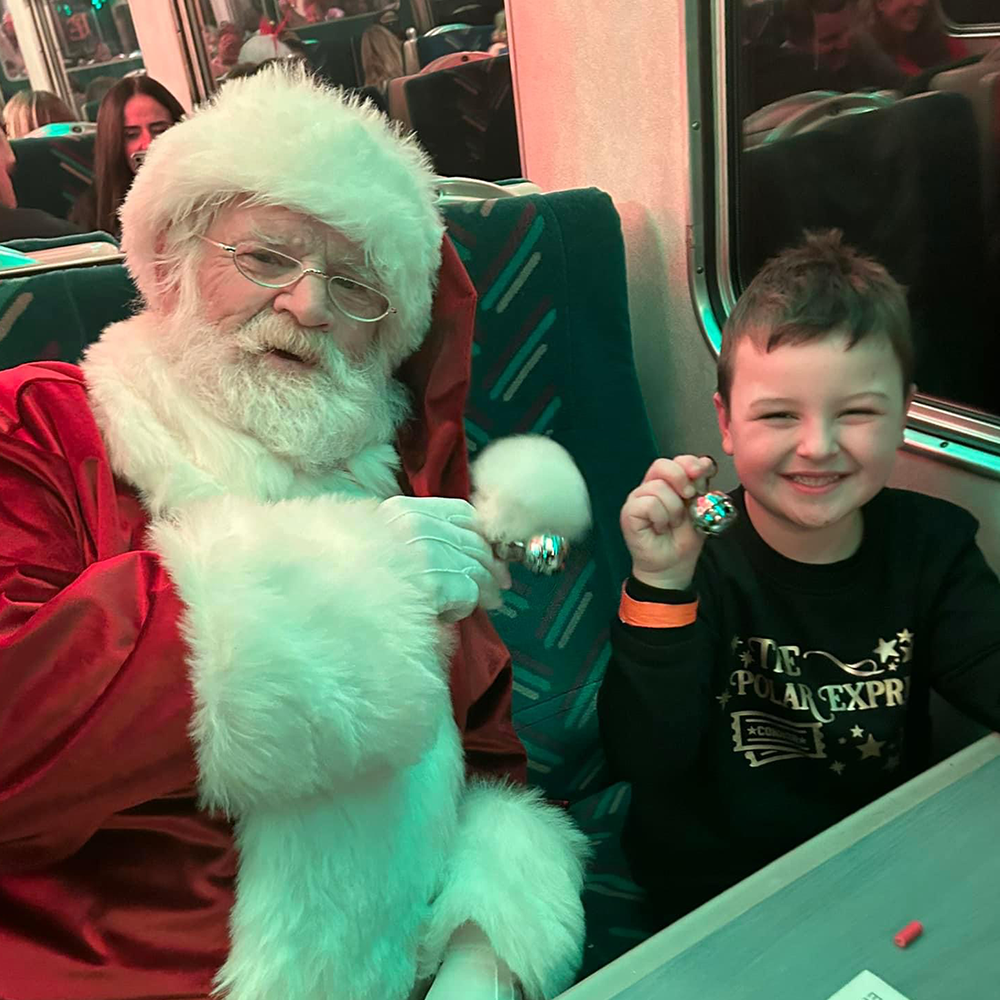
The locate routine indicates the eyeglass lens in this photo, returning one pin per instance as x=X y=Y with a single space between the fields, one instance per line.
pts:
x=273 y=269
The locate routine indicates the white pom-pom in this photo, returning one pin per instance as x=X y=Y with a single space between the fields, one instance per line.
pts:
x=528 y=485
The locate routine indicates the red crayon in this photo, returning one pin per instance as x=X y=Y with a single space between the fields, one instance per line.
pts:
x=909 y=934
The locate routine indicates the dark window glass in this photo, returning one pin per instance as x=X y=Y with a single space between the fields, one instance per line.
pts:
x=972 y=11
x=844 y=121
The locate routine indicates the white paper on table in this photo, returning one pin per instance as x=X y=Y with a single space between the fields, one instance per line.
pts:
x=868 y=986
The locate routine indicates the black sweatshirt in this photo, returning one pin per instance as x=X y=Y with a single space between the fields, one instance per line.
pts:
x=798 y=695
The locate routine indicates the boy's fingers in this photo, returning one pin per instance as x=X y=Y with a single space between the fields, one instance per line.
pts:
x=671 y=471
x=667 y=508
x=642 y=513
x=699 y=469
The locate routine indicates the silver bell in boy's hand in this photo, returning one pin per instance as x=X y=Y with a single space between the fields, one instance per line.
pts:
x=713 y=511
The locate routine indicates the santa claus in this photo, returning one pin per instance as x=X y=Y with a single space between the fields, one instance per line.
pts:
x=256 y=731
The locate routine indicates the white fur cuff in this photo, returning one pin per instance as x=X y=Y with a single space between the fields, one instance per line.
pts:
x=517 y=872
x=312 y=662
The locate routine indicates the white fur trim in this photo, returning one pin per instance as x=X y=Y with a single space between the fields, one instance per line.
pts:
x=288 y=140
x=331 y=894
x=175 y=451
x=312 y=662
x=528 y=485
x=516 y=871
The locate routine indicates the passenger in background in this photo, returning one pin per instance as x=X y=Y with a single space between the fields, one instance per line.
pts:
x=911 y=33
x=381 y=56
x=498 y=40
x=10 y=50
x=30 y=109
x=271 y=42
x=133 y=113
x=767 y=683
x=98 y=87
x=227 y=49
x=826 y=48
x=23 y=223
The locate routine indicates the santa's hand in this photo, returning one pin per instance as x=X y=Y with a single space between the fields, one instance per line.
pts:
x=471 y=970
x=459 y=571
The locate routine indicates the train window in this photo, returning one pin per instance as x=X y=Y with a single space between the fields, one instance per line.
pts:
x=972 y=12
x=870 y=116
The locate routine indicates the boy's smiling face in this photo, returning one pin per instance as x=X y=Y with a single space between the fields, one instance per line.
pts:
x=813 y=430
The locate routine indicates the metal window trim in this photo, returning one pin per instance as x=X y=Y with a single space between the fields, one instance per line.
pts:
x=952 y=434
x=53 y=56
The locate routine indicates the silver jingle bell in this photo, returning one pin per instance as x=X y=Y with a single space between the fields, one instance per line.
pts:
x=713 y=512
x=541 y=554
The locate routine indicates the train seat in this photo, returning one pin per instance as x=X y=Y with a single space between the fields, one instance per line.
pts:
x=52 y=172
x=978 y=84
x=53 y=315
x=445 y=40
x=463 y=116
x=553 y=355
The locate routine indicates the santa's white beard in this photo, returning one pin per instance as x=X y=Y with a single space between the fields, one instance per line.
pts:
x=317 y=418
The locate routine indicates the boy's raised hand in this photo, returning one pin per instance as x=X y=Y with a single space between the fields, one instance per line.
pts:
x=657 y=527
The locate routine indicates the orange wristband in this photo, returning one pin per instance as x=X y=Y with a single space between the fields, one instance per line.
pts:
x=649 y=614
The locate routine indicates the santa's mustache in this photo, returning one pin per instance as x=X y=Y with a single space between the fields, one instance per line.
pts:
x=268 y=332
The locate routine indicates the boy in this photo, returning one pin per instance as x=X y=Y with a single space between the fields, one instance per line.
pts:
x=771 y=681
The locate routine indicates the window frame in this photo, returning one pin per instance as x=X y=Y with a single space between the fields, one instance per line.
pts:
x=946 y=433
x=979 y=29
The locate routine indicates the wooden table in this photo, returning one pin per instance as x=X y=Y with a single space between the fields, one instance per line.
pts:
x=804 y=926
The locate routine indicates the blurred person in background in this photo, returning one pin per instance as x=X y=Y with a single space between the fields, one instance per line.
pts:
x=498 y=40
x=381 y=56
x=133 y=113
x=30 y=109
x=10 y=50
x=227 y=49
x=826 y=47
x=23 y=223
x=911 y=34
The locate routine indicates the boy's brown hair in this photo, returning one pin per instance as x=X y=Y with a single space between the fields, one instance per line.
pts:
x=810 y=291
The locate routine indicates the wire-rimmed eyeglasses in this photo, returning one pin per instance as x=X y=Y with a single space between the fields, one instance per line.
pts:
x=272 y=269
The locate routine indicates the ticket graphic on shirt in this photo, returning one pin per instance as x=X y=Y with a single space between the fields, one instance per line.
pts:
x=764 y=738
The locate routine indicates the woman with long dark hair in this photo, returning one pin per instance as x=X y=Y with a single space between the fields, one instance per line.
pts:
x=132 y=114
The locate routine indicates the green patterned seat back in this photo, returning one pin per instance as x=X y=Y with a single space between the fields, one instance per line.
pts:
x=52 y=173
x=553 y=355
x=54 y=315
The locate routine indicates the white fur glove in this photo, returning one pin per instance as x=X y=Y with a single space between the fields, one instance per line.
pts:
x=460 y=571
x=471 y=970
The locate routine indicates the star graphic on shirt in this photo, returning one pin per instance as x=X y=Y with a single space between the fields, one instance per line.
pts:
x=886 y=650
x=893 y=664
x=837 y=767
x=735 y=643
x=857 y=732
x=907 y=654
x=871 y=747
x=723 y=699
x=746 y=657
x=891 y=763
x=842 y=740
x=905 y=636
